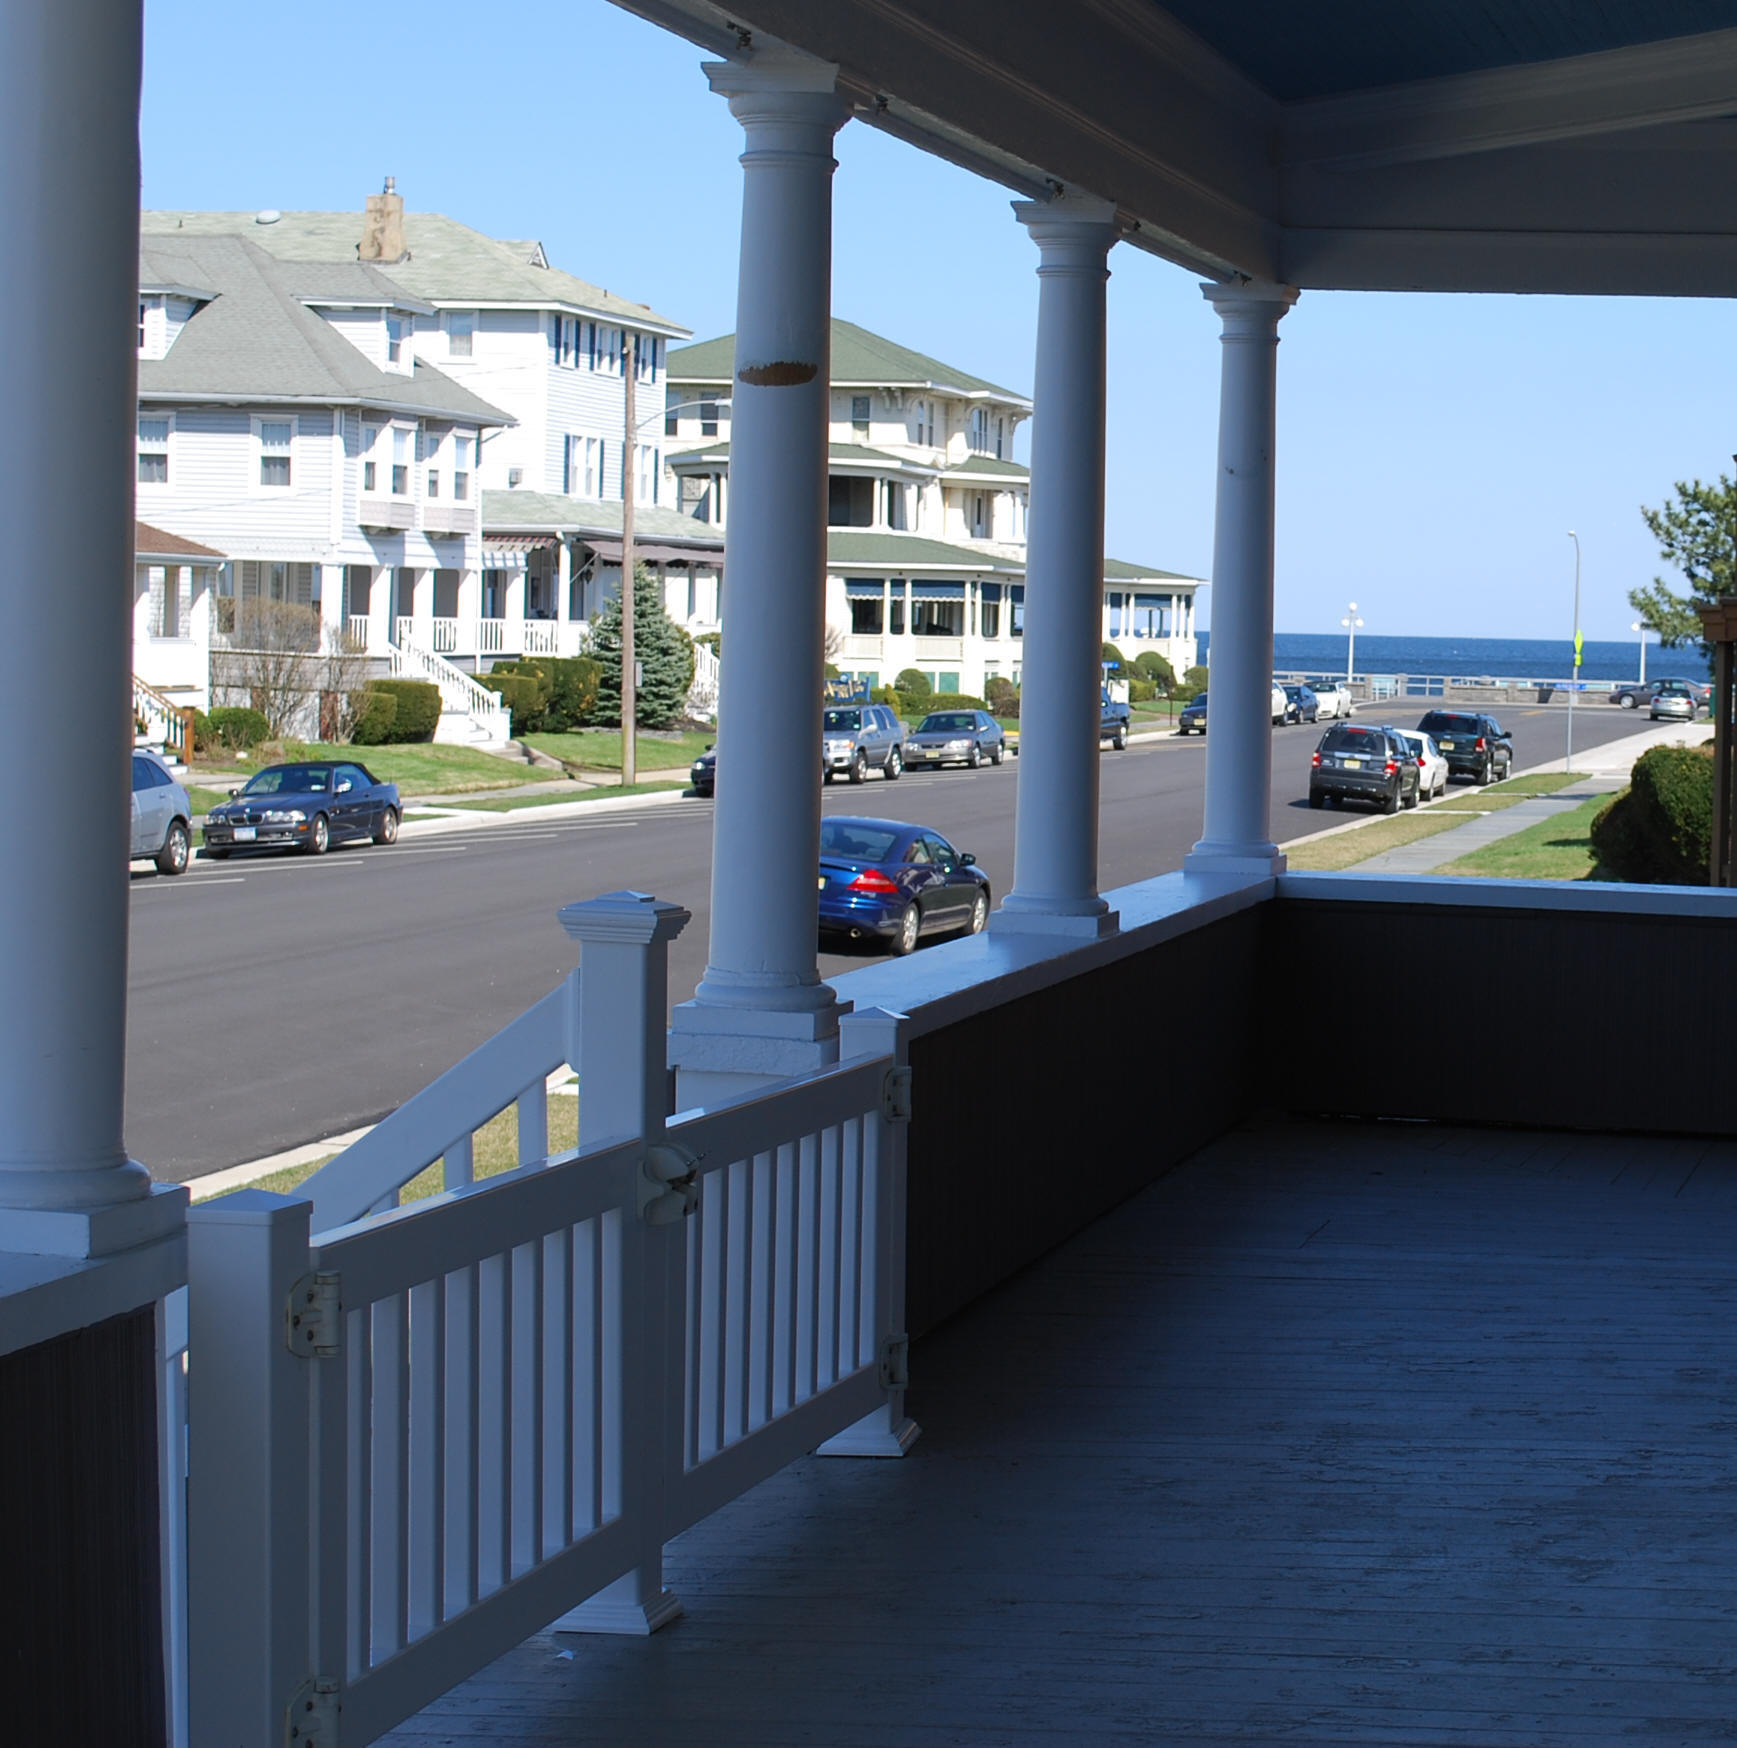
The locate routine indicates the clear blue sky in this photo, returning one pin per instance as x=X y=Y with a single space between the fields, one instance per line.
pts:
x=1432 y=450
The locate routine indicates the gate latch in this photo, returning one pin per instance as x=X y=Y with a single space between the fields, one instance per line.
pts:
x=669 y=1185
x=313 y=1319
x=312 y=1718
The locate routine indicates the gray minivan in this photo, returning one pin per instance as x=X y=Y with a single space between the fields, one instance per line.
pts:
x=854 y=737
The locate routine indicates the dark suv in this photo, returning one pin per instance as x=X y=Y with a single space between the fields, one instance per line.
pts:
x=1474 y=746
x=1363 y=764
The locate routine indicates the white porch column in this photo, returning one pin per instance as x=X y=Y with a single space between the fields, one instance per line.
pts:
x=564 y=580
x=470 y=612
x=332 y=599
x=1237 y=834
x=761 y=1011
x=69 y=104
x=380 y=626
x=1055 y=846
x=514 y=608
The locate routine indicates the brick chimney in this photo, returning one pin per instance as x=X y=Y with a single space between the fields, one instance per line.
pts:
x=383 y=226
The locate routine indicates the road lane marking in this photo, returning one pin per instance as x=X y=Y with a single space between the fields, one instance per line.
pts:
x=203 y=880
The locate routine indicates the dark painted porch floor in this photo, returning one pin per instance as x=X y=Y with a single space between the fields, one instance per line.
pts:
x=1378 y=1434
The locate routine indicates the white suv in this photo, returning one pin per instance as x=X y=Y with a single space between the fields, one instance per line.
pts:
x=162 y=815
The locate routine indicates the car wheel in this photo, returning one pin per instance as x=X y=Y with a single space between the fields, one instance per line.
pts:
x=1488 y=775
x=979 y=914
x=1316 y=799
x=910 y=927
x=826 y=775
x=1627 y=701
x=386 y=832
x=1120 y=741
x=177 y=850
x=894 y=768
x=1390 y=803
x=319 y=836
x=974 y=758
x=1416 y=797
x=859 y=767
x=995 y=754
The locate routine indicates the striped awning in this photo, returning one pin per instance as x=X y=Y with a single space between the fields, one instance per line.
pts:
x=505 y=543
x=650 y=552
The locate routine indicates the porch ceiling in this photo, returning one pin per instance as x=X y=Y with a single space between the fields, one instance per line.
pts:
x=1511 y=145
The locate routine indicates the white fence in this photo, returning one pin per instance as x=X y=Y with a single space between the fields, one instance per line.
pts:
x=421 y=1435
x=446 y=636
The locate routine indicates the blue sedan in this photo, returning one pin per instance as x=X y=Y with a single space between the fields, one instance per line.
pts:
x=896 y=882
x=307 y=807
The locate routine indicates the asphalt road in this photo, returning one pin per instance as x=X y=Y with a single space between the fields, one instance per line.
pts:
x=276 y=1001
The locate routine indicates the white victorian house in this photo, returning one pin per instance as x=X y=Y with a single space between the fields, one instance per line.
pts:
x=554 y=353
x=926 y=512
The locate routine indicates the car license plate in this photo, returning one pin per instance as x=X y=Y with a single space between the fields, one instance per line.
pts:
x=1447 y=746
x=1352 y=764
x=245 y=834
x=823 y=883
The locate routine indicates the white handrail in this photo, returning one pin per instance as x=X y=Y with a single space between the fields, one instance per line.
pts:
x=457 y=689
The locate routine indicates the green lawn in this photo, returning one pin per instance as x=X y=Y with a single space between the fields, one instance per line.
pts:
x=494 y=1149
x=599 y=749
x=1553 y=849
x=417 y=769
x=512 y=803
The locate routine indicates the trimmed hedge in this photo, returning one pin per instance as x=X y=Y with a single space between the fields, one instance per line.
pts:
x=1659 y=831
x=1003 y=696
x=418 y=708
x=913 y=683
x=375 y=719
x=238 y=728
x=522 y=695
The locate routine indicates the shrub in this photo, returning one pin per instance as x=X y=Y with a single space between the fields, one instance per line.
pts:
x=1156 y=671
x=418 y=708
x=1141 y=692
x=239 y=728
x=888 y=695
x=1003 y=696
x=1659 y=831
x=664 y=651
x=521 y=694
x=204 y=735
x=912 y=683
x=375 y=719
x=946 y=701
x=1191 y=685
x=1111 y=654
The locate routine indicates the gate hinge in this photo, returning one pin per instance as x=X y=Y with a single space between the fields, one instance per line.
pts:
x=669 y=1184
x=896 y=1095
x=313 y=1319
x=312 y=1718
x=896 y=1362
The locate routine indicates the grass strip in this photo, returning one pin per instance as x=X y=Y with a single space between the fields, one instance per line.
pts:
x=419 y=769
x=494 y=1149
x=1346 y=849
x=1553 y=849
x=512 y=803
x=599 y=749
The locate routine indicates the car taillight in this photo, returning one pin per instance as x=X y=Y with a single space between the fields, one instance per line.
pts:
x=1315 y=761
x=1391 y=767
x=873 y=880
x=1478 y=744
x=1422 y=764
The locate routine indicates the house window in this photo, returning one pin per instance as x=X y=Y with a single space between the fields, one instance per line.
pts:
x=895 y=504
x=645 y=357
x=867 y=606
x=1016 y=611
x=394 y=339
x=1000 y=438
x=859 y=415
x=980 y=429
x=645 y=474
x=141 y=327
x=989 y=612
x=400 y=462
x=428 y=443
x=850 y=501
x=938 y=610
x=708 y=418
x=460 y=330
x=896 y=609
x=672 y=420
x=274 y=451
x=461 y=468
x=153 y=449
x=694 y=496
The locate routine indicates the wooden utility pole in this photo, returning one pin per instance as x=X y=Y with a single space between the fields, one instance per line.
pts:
x=629 y=691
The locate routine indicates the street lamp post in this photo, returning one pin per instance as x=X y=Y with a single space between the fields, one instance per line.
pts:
x=1568 y=761
x=1637 y=626
x=1351 y=622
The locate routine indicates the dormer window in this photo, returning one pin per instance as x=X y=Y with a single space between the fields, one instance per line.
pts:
x=400 y=462
x=461 y=450
x=460 y=331
x=395 y=332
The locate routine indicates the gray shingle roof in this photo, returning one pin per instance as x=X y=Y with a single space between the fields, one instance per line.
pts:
x=257 y=340
x=519 y=512
x=448 y=262
x=903 y=552
x=859 y=360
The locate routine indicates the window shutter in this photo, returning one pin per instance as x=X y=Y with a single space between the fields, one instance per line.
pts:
x=250 y=580
x=302 y=584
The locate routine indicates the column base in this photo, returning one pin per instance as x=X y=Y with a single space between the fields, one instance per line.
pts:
x=101 y=1231
x=623 y=1615
x=721 y=1053
x=1248 y=861
x=1092 y=926
x=877 y=1434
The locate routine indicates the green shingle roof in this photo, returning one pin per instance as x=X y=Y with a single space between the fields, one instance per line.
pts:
x=447 y=263
x=904 y=552
x=859 y=360
x=257 y=339
x=519 y=512
x=989 y=468
x=1118 y=570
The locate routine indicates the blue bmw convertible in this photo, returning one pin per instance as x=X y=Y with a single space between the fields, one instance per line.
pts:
x=307 y=807
x=896 y=882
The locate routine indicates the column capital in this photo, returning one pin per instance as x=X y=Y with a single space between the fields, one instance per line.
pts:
x=1249 y=305
x=778 y=84
x=1080 y=225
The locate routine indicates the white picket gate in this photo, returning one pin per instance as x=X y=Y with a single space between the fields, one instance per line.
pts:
x=418 y=1437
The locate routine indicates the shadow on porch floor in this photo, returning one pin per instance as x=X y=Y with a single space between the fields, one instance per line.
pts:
x=1340 y=1433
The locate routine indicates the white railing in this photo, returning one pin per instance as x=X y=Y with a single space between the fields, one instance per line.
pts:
x=492 y=636
x=359 y=628
x=422 y=1435
x=166 y=723
x=458 y=691
x=172 y=1504
x=703 y=691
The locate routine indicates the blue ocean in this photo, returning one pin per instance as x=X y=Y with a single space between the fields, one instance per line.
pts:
x=1476 y=658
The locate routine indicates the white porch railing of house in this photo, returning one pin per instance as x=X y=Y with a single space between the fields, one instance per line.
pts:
x=424 y=1434
x=460 y=695
x=703 y=693
x=485 y=636
x=359 y=629
x=555 y=637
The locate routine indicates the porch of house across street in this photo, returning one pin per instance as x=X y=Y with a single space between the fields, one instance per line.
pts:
x=298 y=1465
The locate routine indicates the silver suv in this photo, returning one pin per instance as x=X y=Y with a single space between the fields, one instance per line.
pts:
x=854 y=737
x=162 y=815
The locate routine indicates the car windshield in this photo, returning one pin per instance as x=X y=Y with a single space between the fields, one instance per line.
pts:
x=1440 y=722
x=844 y=721
x=946 y=719
x=291 y=780
x=1199 y=701
x=858 y=840
x=1367 y=743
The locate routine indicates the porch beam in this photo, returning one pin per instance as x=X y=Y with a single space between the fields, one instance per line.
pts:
x=1237 y=835
x=1055 y=857
x=761 y=1011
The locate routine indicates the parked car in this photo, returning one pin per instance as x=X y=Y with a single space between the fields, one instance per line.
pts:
x=1643 y=692
x=1300 y=703
x=1474 y=746
x=1113 y=721
x=162 y=815
x=955 y=737
x=1675 y=700
x=1331 y=698
x=703 y=773
x=1432 y=768
x=896 y=882
x=305 y=806
x=854 y=737
x=1193 y=717
x=1281 y=704
x=1364 y=764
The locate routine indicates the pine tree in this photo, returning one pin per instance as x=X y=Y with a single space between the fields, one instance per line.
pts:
x=663 y=650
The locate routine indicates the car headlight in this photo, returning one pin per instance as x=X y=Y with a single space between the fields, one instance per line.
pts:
x=957 y=746
x=837 y=748
x=283 y=816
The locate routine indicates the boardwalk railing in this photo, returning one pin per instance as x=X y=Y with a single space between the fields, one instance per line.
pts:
x=423 y=1434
